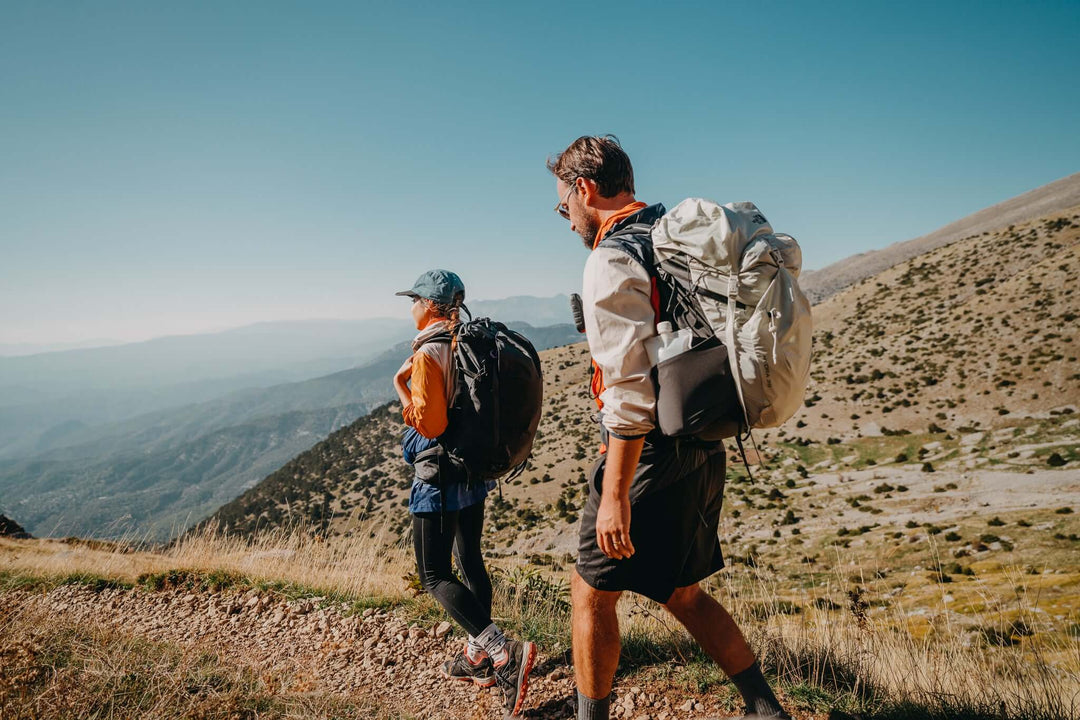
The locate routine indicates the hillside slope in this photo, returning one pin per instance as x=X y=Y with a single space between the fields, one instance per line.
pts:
x=357 y=475
x=12 y=529
x=1048 y=199
x=963 y=335
x=157 y=493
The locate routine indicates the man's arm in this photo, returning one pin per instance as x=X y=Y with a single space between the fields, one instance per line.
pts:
x=613 y=515
x=619 y=316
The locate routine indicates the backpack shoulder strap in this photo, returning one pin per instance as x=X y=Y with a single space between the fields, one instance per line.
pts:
x=443 y=337
x=636 y=241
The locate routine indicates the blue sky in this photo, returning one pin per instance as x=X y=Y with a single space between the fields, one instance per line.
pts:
x=180 y=167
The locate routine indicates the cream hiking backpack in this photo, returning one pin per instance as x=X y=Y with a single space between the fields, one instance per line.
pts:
x=742 y=279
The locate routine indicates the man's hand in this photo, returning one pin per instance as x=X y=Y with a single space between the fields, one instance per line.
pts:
x=613 y=515
x=613 y=527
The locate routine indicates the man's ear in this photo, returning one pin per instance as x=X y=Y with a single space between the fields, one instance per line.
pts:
x=587 y=189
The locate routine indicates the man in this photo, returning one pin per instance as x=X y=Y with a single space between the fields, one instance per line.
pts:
x=650 y=523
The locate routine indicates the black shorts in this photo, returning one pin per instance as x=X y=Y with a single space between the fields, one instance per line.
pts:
x=675 y=502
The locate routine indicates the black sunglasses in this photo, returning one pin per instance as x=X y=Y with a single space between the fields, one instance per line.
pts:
x=563 y=208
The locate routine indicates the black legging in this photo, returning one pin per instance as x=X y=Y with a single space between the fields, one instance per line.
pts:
x=434 y=534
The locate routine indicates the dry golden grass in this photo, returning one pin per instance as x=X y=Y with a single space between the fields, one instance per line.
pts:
x=360 y=566
x=367 y=565
x=865 y=656
x=869 y=652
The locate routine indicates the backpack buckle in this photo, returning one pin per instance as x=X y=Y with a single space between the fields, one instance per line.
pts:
x=777 y=256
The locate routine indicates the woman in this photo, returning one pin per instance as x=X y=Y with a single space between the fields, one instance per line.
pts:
x=449 y=516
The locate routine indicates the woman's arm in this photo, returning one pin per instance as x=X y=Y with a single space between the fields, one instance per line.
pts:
x=427 y=410
x=401 y=383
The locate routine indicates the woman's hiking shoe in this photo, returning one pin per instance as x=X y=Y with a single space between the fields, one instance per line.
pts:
x=513 y=674
x=464 y=670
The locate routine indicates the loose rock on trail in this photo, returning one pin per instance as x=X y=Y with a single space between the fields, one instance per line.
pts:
x=313 y=645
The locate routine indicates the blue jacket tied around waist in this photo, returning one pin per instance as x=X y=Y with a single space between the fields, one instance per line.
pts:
x=426 y=498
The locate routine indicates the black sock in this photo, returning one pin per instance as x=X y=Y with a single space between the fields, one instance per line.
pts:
x=589 y=709
x=757 y=694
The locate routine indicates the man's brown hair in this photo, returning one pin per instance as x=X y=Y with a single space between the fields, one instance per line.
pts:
x=599 y=158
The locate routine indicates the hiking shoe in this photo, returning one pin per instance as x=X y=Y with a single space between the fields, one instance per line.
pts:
x=513 y=674
x=462 y=669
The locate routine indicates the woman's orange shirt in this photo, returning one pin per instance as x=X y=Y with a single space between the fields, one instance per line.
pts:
x=428 y=411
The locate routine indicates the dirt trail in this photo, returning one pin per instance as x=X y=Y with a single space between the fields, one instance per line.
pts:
x=310 y=648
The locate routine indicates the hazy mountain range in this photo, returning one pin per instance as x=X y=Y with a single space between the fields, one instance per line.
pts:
x=58 y=399
x=152 y=473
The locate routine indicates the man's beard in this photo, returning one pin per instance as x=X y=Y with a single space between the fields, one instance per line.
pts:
x=587 y=229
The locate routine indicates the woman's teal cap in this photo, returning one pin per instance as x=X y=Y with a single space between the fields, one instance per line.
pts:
x=441 y=286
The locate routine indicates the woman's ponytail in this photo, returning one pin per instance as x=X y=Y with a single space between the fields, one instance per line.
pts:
x=451 y=312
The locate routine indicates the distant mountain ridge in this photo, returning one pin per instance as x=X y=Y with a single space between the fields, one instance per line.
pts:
x=21 y=349
x=535 y=311
x=1054 y=197
x=45 y=399
x=59 y=399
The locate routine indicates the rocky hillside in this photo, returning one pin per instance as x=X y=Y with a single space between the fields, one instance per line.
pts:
x=968 y=338
x=12 y=529
x=1046 y=200
x=357 y=475
x=962 y=336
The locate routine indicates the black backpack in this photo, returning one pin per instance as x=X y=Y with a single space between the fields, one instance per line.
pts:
x=495 y=410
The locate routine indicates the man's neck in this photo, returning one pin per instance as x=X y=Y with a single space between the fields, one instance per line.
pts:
x=606 y=207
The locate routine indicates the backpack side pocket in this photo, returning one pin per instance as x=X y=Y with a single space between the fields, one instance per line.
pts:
x=696 y=393
x=430 y=465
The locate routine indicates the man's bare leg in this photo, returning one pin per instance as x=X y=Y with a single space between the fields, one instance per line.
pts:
x=596 y=642
x=715 y=630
